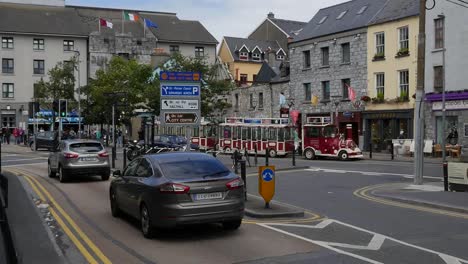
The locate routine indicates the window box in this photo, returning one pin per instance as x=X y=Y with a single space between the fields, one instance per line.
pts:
x=379 y=57
x=404 y=52
x=380 y=99
x=365 y=98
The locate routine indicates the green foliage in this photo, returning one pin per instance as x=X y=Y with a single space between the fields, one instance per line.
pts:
x=403 y=52
x=403 y=97
x=379 y=99
x=380 y=55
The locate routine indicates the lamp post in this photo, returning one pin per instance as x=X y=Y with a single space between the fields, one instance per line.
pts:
x=77 y=53
x=444 y=153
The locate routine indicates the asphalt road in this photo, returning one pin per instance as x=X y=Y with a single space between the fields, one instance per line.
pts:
x=356 y=230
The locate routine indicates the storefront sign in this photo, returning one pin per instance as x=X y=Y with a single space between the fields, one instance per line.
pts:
x=284 y=112
x=450 y=105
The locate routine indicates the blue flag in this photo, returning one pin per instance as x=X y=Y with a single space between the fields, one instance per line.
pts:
x=150 y=23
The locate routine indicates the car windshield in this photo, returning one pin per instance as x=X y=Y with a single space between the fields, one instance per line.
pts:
x=87 y=147
x=194 y=169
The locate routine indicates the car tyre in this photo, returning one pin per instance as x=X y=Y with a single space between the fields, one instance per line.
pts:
x=62 y=176
x=50 y=172
x=232 y=225
x=33 y=146
x=147 y=227
x=343 y=155
x=310 y=154
x=272 y=153
x=115 y=210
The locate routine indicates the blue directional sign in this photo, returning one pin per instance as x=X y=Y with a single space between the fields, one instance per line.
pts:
x=180 y=90
x=268 y=175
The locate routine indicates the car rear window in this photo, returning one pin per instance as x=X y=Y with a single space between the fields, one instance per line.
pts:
x=194 y=169
x=86 y=147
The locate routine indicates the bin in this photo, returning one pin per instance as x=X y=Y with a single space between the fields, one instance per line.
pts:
x=458 y=176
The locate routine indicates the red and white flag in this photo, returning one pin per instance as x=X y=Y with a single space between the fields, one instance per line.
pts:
x=351 y=93
x=105 y=23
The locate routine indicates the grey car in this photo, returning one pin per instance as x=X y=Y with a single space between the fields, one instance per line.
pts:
x=78 y=157
x=176 y=189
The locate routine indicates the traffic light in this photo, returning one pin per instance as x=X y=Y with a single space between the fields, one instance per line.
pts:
x=63 y=108
x=55 y=106
x=33 y=109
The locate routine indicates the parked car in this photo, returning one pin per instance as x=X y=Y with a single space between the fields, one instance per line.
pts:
x=42 y=140
x=79 y=158
x=166 y=141
x=178 y=188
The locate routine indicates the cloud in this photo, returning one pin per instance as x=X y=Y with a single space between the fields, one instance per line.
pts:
x=224 y=17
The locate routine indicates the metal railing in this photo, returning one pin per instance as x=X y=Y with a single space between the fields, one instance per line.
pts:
x=11 y=256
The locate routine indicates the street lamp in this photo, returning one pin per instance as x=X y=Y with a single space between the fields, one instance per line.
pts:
x=336 y=101
x=444 y=153
x=77 y=53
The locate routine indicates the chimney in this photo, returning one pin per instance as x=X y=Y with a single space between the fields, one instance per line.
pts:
x=271 y=15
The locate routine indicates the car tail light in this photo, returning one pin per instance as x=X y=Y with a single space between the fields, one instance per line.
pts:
x=69 y=155
x=174 y=188
x=235 y=184
x=103 y=154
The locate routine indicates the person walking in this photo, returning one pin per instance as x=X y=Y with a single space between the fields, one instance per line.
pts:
x=7 y=135
x=16 y=135
x=119 y=138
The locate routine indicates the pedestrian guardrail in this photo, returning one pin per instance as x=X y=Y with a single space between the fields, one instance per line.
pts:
x=11 y=256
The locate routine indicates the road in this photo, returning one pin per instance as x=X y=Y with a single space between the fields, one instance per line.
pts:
x=353 y=230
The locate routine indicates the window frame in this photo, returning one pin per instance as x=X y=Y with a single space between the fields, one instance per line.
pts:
x=38 y=44
x=7 y=69
x=306 y=59
x=401 y=41
x=8 y=91
x=403 y=87
x=199 y=52
x=174 y=49
x=343 y=45
x=256 y=56
x=438 y=78
x=345 y=92
x=380 y=47
x=260 y=100
x=68 y=45
x=8 y=43
x=140 y=164
x=380 y=86
x=307 y=91
x=439 y=33
x=241 y=77
x=39 y=68
x=326 y=90
x=325 y=58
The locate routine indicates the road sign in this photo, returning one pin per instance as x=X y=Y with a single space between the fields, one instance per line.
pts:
x=180 y=76
x=180 y=90
x=170 y=104
x=266 y=183
x=181 y=118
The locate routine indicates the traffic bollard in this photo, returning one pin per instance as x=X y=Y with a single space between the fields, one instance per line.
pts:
x=256 y=153
x=236 y=171
x=392 y=150
x=114 y=153
x=445 y=169
x=266 y=157
x=124 y=158
x=294 y=157
x=370 y=151
x=244 y=177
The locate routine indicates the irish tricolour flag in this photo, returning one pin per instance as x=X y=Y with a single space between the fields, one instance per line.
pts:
x=130 y=16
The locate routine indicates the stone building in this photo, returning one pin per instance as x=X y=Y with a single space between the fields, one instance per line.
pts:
x=328 y=56
x=446 y=37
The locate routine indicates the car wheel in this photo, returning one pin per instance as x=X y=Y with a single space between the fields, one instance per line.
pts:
x=105 y=176
x=343 y=155
x=146 y=222
x=50 y=172
x=33 y=146
x=272 y=153
x=310 y=154
x=62 y=176
x=227 y=150
x=115 y=210
x=232 y=225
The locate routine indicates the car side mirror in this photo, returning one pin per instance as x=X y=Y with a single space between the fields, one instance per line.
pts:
x=117 y=173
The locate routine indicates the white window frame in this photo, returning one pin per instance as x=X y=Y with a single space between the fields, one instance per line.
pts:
x=379 y=87
x=8 y=43
x=244 y=56
x=10 y=87
x=66 y=43
x=380 y=47
x=403 y=43
x=256 y=56
x=403 y=86
x=38 y=68
x=38 y=44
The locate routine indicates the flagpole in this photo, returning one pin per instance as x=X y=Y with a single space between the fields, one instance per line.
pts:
x=99 y=23
x=144 y=27
x=123 y=20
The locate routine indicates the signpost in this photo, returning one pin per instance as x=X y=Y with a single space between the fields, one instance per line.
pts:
x=266 y=183
x=171 y=104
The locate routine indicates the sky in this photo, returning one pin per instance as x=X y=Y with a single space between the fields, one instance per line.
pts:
x=222 y=17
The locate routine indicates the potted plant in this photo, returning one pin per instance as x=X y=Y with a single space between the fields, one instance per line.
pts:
x=365 y=98
x=379 y=99
x=403 y=52
x=379 y=56
x=403 y=96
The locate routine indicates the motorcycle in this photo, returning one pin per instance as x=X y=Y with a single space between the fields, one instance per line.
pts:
x=133 y=149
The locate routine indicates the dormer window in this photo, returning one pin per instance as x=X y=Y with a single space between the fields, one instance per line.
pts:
x=323 y=20
x=280 y=54
x=280 y=57
x=341 y=15
x=244 y=55
x=256 y=56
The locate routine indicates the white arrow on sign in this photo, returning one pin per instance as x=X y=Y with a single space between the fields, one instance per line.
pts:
x=173 y=104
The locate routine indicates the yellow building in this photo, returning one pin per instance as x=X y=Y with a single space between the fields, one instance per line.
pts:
x=392 y=70
x=244 y=57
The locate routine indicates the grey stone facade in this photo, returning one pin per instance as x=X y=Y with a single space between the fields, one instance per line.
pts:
x=356 y=71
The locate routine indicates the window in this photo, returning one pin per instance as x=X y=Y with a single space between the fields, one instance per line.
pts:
x=380 y=84
x=341 y=15
x=323 y=20
x=260 y=100
x=251 y=101
x=199 y=52
x=312 y=132
x=254 y=77
x=68 y=45
x=306 y=58
x=345 y=53
x=193 y=169
x=307 y=91
x=438 y=78
x=173 y=49
x=8 y=90
x=236 y=97
x=326 y=90
x=7 y=42
x=244 y=55
x=404 y=37
x=362 y=10
x=243 y=78
x=380 y=44
x=38 y=66
x=325 y=56
x=38 y=44
x=144 y=169
x=404 y=84
x=256 y=56
x=8 y=66
x=439 y=33
x=280 y=57
x=130 y=170
x=346 y=83
x=124 y=55
x=139 y=43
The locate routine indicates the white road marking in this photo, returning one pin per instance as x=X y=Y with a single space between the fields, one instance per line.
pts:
x=369 y=173
x=24 y=159
x=375 y=244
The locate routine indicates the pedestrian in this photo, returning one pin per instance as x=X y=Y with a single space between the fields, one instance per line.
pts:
x=7 y=135
x=16 y=135
x=72 y=133
x=119 y=138
x=98 y=135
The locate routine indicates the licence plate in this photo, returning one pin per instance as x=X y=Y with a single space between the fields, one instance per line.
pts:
x=88 y=159
x=208 y=196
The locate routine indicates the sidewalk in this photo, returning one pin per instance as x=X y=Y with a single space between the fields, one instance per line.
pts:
x=385 y=156
x=431 y=194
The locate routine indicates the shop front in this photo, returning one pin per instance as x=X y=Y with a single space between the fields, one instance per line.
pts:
x=380 y=127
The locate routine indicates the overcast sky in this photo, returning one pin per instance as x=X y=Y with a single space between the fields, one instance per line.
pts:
x=223 y=17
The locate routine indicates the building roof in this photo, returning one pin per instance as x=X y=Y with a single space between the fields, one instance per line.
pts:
x=289 y=26
x=396 y=9
x=235 y=44
x=340 y=18
x=40 y=19
x=265 y=74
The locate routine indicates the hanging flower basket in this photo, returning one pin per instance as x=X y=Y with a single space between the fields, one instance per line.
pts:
x=365 y=98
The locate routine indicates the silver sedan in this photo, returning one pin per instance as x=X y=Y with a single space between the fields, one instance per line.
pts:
x=176 y=189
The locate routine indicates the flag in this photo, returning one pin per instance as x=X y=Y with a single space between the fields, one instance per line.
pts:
x=314 y=100
x=150 y=24
x=351 y=93
x=130 y=16
x=105 y=23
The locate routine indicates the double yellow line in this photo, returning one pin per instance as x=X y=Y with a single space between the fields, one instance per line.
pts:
x=364 y=194
x=68 y=225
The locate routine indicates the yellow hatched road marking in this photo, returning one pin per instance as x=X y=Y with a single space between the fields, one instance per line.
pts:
x=72 y=223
